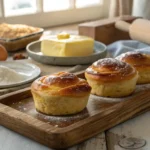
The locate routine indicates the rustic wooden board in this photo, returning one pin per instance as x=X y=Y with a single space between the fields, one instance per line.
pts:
x=17 y=112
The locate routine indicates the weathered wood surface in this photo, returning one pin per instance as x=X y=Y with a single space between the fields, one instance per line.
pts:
x=10 y=140
x=100 y=114
x=133 y=134
x=96 y=143
x=137 y=128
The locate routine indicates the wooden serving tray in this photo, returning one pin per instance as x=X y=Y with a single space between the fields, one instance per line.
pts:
x=17 y=112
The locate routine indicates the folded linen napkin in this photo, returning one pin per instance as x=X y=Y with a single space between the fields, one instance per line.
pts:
x=124 y=46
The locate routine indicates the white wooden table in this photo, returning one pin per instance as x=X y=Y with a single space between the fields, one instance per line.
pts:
x=132 y=134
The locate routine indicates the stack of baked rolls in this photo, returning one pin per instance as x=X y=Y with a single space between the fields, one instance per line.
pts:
x=141 y=62
x=60 y=94
x=110 y=77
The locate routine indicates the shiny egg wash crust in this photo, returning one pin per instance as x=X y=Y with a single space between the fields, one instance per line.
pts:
x=136 y=59
x=65 y=84
x=110 y=70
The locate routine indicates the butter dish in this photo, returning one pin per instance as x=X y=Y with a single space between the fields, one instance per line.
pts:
x=34 y=51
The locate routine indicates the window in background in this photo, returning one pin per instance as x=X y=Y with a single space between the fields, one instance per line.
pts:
x=87 y=3
x=19 y=7
x=55 y=5
x=46 y=13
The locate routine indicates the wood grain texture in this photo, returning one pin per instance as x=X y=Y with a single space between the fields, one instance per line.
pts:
x=133 y=134
x=104 y=30
x=101 y=114
x=11 y=140
x=96 y=143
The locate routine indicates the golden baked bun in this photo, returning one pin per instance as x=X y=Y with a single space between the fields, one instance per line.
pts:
x=109 y=77
x=141 y=62
x=60 y=94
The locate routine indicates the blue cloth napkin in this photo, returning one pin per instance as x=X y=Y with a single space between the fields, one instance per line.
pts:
x=124 y=46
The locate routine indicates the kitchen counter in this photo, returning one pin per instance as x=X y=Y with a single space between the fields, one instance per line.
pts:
x=132 y=134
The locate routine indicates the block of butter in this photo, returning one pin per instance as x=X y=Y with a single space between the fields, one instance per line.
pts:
x=65 y=45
